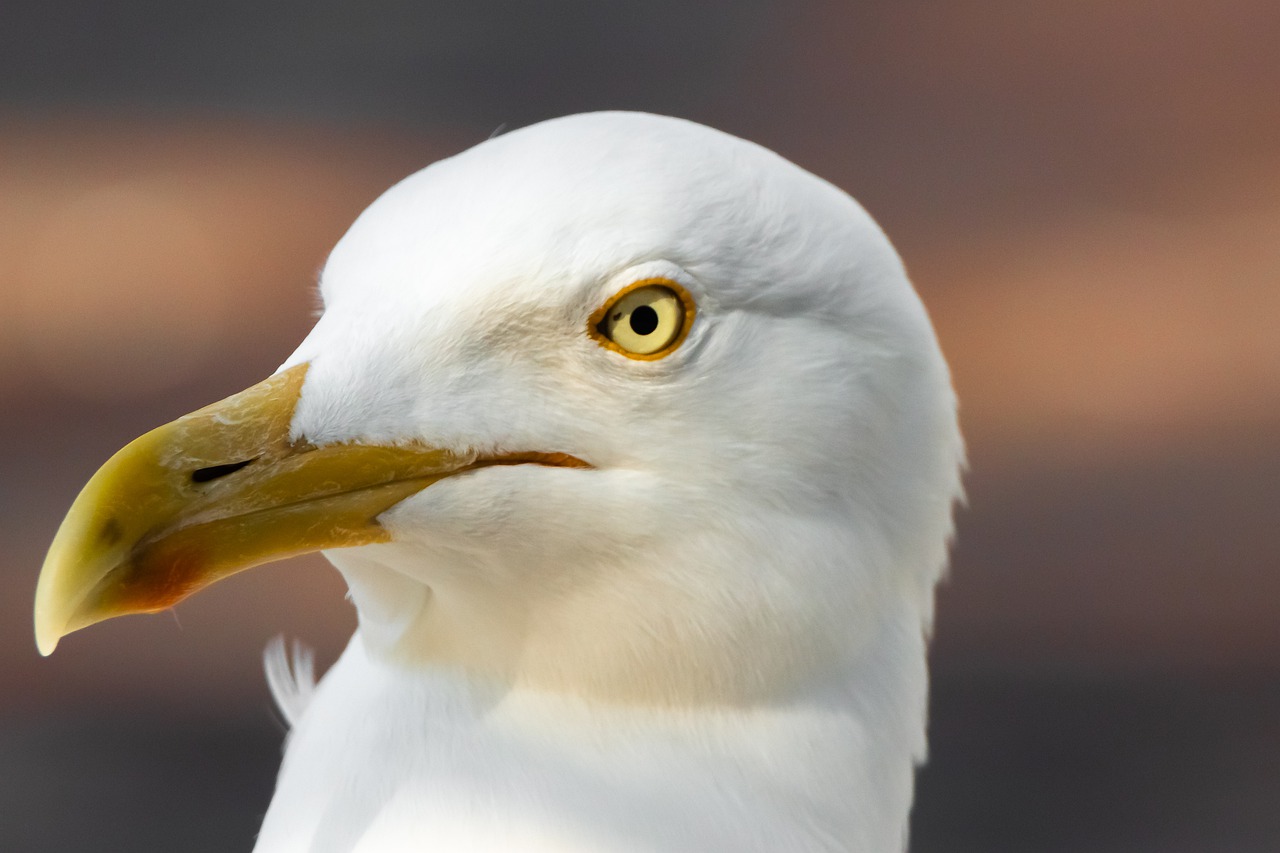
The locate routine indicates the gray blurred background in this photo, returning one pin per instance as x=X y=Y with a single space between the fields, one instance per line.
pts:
x=1087 y=195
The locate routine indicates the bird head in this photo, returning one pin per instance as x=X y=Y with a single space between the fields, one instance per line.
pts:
x=616 y=405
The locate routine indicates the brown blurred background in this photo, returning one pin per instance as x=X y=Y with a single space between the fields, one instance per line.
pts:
x=1087 y=194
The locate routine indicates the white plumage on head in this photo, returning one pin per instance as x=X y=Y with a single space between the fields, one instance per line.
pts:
x=714 y=637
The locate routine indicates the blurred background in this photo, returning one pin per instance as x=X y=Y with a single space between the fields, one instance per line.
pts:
x=1086 y=193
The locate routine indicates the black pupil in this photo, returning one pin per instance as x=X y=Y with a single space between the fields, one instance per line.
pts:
x=644 y=320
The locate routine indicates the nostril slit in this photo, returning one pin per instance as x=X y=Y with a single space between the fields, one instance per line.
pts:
x=213 y=472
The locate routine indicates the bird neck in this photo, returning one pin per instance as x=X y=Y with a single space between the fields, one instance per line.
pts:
x=824 y=772
x=851 y=736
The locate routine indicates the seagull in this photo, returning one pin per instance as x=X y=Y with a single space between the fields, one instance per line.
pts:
x=638 y=454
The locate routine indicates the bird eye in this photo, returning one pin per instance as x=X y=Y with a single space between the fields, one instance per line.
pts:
x=646 y=320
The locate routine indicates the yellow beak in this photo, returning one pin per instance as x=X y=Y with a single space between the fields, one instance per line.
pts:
x=215 y=492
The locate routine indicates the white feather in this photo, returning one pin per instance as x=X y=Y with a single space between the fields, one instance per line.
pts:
x=290 y=677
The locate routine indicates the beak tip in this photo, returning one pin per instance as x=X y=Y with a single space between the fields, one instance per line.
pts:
x=50 y=617
x=47 y=638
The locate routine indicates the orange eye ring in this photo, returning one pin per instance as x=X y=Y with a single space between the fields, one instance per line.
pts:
x=646 y=320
